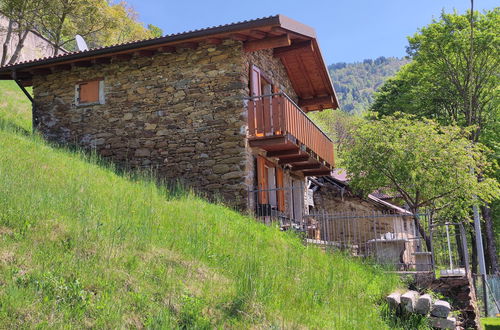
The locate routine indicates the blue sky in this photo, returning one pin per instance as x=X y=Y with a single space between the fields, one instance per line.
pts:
x=348 y=30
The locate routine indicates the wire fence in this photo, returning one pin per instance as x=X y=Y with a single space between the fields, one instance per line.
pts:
x=387 y=238
x=450 y=249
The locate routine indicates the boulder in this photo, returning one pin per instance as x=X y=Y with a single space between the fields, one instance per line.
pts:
x=394 y=299
x=441 y=309
x=443 y=323
x=408 y=301
x=423 y=305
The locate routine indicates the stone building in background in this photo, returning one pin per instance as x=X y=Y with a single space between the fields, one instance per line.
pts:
x=35 y=45
x=221 y=109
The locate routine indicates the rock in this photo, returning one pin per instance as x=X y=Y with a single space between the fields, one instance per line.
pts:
x=220 y=168
x=441 y=308
x=142 y=152
x=408 y=301
x=149 y=126
x=394 y=299
x=443 y=323
x=423 y=305
x=233 y=175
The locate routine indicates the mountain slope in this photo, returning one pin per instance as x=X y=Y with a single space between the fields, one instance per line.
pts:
x=356 y=82
x=84 y=246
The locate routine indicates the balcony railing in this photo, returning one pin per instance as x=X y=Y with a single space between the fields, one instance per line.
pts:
x=278 y=115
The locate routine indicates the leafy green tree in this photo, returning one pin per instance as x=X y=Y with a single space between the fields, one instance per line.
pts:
x=427 y=164
x=454 y=78
x=443 y=78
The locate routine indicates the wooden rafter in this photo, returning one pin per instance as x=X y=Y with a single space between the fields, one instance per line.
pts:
x=306 y=166
x=274 y=42
x=295 y=159
x=299 y=47
x=317 y=101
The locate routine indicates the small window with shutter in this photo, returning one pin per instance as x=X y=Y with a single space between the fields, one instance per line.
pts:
x=89 y=92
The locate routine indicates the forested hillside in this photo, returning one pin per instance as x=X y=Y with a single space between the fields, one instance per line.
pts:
x=356 y=82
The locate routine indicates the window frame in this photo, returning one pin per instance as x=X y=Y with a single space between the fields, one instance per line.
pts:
x=101 y=97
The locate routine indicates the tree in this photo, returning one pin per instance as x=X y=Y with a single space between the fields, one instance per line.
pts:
x=100 y=22
x=21 y=15
x=454 y=79
x=427 y=164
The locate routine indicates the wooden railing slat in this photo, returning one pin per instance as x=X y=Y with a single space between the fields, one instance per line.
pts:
x=277 y=115
x=251 y=117
x=267 y=116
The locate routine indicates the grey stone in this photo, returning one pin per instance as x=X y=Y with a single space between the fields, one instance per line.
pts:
x=441 y=308
x=233 y=175
x=394 y=299
x=423 y=305
x=220 y=168
x=142 y=153
x=408 y=301
x=443 y=323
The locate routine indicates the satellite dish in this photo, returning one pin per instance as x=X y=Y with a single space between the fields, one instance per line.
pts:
x=80 y=43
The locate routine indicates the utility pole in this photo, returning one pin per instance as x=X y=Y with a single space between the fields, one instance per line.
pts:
x=475 y=210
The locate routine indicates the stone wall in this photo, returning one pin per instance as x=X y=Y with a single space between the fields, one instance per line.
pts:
x=460 y=291
x=182 y=114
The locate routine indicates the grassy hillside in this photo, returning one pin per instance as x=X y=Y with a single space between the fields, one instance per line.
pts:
x=83 y=246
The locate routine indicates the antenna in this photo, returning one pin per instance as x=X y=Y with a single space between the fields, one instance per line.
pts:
x=80 y=43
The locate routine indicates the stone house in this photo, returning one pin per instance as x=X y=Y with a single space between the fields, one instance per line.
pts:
x=35 y=45
x=368 y=225
x=222 y=109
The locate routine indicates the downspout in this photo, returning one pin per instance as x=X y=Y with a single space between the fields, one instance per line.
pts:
x=34 y=120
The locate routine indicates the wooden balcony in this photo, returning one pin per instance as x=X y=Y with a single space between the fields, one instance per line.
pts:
x=278 y=126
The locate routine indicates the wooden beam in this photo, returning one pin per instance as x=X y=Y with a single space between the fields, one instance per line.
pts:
x=40 y=71
x=145 y=53
x=187 y=45
x=101 y=60
x=165 y=49
x=214 y=41
x=84 y=64
x=281 y=31
x=257 y=34
x=274 y=42
x=295 y=159
x=126 y=56
x=317 y=173
x=298 y=47
x=306 y=167
x=63 y=67
x=238 y=37
x=276 y=142
x=322 y=100
x=279 y=153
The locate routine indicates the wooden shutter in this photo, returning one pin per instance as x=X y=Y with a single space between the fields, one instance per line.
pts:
x=280 y=186
x=255 y=81
x=89 y=92
x=262 y=180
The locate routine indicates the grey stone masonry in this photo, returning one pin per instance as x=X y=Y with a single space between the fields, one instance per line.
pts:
x=181 y=114
x=408 y=301
x=441 y=309
x=443 y=323
x=394 y=299
x=423 y=305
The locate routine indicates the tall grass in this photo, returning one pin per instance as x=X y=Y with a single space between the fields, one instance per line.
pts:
x=81 y=245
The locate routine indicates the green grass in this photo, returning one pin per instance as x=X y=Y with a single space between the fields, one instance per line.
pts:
x=84 y=246
x=490 y=323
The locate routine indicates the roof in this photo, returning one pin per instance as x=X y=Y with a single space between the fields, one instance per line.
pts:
x=293 y=42
x=340 y=179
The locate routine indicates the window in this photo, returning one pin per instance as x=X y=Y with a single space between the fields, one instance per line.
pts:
x=270 y=184
x=89 y=92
